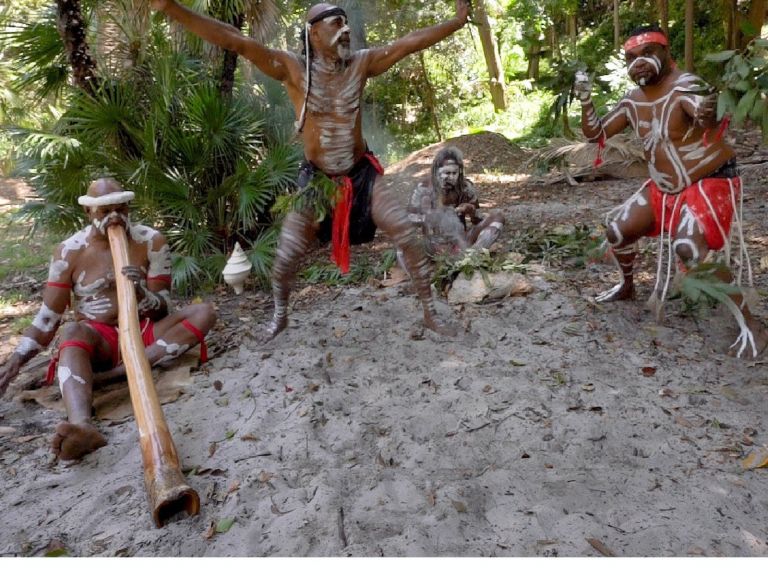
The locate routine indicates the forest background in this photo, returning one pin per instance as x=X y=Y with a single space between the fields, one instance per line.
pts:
x=207 y=143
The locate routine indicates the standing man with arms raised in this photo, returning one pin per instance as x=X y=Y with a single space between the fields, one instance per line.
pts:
x=325 y=87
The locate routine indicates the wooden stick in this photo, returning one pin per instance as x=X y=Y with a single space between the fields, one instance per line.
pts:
x=167 y=491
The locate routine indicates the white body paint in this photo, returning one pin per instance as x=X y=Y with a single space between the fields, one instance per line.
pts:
x=336 y=114
x=171 y=349
x=57 y=269
x=76 y=242
x=46 y=319
x=27 y=345
x=64 y=374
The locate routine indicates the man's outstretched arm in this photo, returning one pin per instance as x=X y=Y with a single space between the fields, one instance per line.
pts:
x=273 y=63
x=383 y=58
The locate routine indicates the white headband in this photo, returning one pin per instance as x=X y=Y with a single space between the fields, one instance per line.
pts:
x=108 y=199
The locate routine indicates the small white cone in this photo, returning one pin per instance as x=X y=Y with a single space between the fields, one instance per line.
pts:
x=238 y=268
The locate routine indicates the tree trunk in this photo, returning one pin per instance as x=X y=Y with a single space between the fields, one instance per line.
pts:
x=72 y=31
x=492 y=59
x=229 y=63
x=689 y=16
x=616 y=26
x=662 y=13
x=533 y=59
x=756 y=19
x=430 y=97
x=573 y=29
x=729 y=11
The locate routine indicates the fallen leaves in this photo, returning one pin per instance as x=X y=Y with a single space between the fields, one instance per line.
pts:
x=600 y=547
x=757 y=458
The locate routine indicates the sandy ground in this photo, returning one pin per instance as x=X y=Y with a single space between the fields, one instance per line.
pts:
x=552 y=427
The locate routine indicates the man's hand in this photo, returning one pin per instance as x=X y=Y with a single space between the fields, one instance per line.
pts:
x=158 y=5
x=582 y=86
x=462 y=10
x=136 y=275
x=465 y=209
x=706 y=110
x=8 y=372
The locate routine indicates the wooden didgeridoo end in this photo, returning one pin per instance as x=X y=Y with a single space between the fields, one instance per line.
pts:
x=168 y=495
x=167 y=491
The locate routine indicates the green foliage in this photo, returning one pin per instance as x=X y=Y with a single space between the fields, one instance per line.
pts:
x=205 y=169
x=360 y=270
x=572 y=246
x=21 y=251
x=702 y=285
x=448 y=267
x=319 y=196
x=744 y=84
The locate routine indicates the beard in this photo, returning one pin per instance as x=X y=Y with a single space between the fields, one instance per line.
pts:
x=343 y=50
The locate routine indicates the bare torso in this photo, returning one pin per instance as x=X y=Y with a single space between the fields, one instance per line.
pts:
x=84 y=261
x=332 y=133
x=674 y=146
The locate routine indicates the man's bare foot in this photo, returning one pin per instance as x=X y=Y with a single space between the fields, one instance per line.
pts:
x=751 y=342
x=622 y=291
x=442 y=328
x=271 y=330
x=73 y=441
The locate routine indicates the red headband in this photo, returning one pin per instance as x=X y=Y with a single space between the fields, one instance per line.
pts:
x=645 y=38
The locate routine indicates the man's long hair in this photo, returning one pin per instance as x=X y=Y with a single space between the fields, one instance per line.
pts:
x=448 y=153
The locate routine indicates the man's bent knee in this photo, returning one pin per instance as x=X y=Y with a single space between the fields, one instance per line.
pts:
x=687 y=251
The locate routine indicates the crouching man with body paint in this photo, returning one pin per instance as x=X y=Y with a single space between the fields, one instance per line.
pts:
x=325 y=86
x=443 y=205
x=89 y=345
x=694 y=191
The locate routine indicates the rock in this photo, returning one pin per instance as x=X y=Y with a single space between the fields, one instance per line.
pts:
x=492 y=286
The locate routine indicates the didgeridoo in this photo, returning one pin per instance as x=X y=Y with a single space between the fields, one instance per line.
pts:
x=167 y=491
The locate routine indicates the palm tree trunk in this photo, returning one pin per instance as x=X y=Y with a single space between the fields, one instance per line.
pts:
x=229 y=64
x=616 y=26
x=492 y=59
x=72 y=31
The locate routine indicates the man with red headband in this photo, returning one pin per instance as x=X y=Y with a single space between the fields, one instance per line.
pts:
x=89 y=349
x=694 y=189
x=325 y=86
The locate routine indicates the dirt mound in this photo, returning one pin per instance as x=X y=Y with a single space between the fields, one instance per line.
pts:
x=484 y=152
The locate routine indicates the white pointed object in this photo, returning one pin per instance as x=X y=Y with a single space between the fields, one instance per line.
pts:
x=238 y=268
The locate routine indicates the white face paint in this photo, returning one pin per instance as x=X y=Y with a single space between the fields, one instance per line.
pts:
x=342 y=44
x=46 y=319
x=448 y=175
x=644 y=77
x=100 y=224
